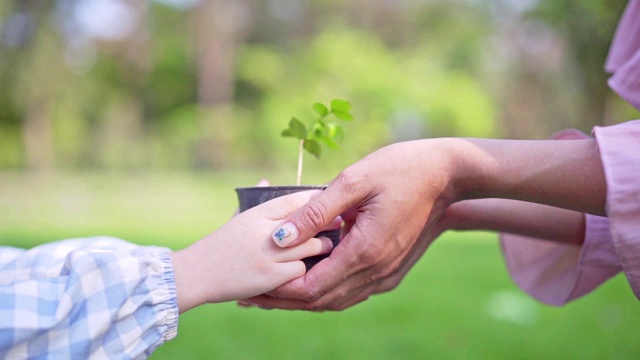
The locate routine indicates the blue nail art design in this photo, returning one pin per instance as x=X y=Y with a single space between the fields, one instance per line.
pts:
x=282 y=233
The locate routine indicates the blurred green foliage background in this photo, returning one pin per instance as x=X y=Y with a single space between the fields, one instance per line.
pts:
x=138 y=118
x=207 y=85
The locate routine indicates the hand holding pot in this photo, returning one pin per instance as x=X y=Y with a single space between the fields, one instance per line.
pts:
x=385 y=206
x=392 y=200
x=239 y=260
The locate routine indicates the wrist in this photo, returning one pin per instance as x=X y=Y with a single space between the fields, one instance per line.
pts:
x=470 y=169
x=187 y=282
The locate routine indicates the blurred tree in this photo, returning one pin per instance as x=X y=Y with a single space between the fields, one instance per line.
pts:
x=208 y=84
x=36 y=81
x=220 y=28
x=584 y=30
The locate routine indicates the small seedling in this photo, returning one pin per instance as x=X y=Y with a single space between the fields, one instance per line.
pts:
x=323 y=130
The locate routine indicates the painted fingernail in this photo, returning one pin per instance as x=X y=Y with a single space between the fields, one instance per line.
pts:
x=287 y=234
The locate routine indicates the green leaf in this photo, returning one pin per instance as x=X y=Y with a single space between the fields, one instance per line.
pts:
x=342 y=115
x=340 y=105
x=335 y=132
x=313 y=147
x=317 y=131
x=330 y=143
x=296 y=129
x=321 y=109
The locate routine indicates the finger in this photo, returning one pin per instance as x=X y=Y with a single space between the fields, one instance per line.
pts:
x=334 y=292
x=332 y=300
x=334 y=225
x=270 y=302
x=312 y=247
x=290 y=270
x=341 y=274
x=352 y=301
x=281 y=207
x=323 y=277
x=244 y=304
x=346 y=227
x=344 y=293
x=337 y=299
x=316 y=214
x=263 y=183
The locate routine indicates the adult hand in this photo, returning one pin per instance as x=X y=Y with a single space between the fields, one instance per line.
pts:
x=396 y=194
x=387 y=201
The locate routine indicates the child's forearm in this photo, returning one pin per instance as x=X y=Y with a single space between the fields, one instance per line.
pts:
x=517 y=217
x=188 y=287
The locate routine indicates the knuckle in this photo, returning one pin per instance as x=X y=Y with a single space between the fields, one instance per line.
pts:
x=315 y=295
x=349 y=179
x=309 y=292
x=320 y=305
x=315 y=214
x=310 y=295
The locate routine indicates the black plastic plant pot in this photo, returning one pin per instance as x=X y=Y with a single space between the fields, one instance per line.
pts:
x=249 y=197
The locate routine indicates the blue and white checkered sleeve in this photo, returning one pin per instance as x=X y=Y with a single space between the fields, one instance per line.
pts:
x=93 y=297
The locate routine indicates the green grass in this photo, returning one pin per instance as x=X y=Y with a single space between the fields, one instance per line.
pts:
x=448 y=307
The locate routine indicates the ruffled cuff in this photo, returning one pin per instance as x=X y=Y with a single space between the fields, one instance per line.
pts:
x=556 y=273
x=619 y=148
x=133 y=297
x=626 y=81
x=167 y=298
x=624 y=56
x=104 y=298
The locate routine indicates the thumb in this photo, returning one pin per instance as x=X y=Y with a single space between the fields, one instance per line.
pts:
x=314 y=216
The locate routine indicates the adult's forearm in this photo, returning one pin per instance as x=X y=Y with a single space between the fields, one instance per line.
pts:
x=560 y=173
x=517 y=217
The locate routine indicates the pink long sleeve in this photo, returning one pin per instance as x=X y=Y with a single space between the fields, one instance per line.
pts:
x=557 y=273
x=620 y=152
x=623 y=60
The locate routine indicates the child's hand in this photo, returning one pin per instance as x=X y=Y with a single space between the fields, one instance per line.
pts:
x=240 y=259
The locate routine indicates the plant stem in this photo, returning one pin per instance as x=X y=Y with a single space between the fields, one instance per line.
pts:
x=300 y=154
